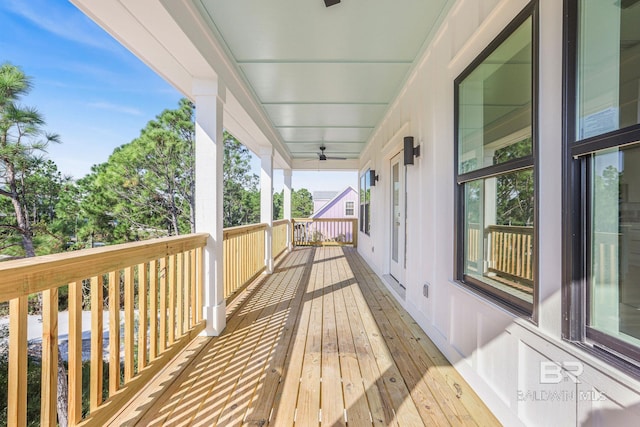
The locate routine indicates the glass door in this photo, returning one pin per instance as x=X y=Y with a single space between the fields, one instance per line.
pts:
x=397 y=219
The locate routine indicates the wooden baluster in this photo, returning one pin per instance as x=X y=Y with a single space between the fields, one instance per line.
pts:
x=17 y=382
x=245 y=242
x=75 y=353
x=517 y=254
x=153 y=310
x=193 y=286
x=114 y=332
x=171 y=325
x=503 y=251
x=142 y=316
x=232 y=266
x=97 y=300
x=163 y=305
x=129 y=323
x=199 y=283
x=186 y=289
x=510 y=253
x=49 y=392
x=236 y=264
x=180 y=294
x=225 y=263
x=523 y=249
x=529 y=258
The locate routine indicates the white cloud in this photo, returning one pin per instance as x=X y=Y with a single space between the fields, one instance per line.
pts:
x=123 y=109
x=68 y=24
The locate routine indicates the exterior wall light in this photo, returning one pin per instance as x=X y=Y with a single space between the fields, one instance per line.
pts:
x=410 y=151
x=373 y=177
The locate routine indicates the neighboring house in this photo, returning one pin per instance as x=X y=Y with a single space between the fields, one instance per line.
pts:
x=339 y=205
x=329 y=205
x=321 y=198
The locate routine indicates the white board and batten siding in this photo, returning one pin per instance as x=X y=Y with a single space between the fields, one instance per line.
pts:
x=498 y=353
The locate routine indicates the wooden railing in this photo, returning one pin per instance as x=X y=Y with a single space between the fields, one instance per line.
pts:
x=243 y=254
x=474 y=247
x=510 y=253
x=280 y=237
x=325 y=231
x=159 y=285
x=504 y=252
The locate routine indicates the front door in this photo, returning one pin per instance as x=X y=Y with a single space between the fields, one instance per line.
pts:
x=397 y=218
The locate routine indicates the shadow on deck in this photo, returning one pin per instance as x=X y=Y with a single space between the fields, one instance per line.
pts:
x=321 y=341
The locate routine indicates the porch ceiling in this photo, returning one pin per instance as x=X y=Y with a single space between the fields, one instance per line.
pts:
x=298 y=74
x=323 y=75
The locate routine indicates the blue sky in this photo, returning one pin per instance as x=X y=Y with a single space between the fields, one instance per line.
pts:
x=91 y=90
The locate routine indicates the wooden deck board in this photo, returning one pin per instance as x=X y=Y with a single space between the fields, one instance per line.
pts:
x=332 y=403
x=319 y=342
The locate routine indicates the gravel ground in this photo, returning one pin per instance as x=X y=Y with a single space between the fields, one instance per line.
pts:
x=34 y=334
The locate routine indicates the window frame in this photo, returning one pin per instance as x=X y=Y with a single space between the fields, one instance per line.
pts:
x=509 y=302
x=576 y=202
x=346 y=208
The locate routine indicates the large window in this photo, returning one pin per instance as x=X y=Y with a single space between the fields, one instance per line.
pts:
x=365 y=202
x=495 y=163
x=603 y=187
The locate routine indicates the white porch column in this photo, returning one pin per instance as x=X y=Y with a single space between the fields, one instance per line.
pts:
x=210 y=97
x=266 y=202
x=286 y=202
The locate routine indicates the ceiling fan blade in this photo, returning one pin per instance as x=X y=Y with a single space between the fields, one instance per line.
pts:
x=335 y=158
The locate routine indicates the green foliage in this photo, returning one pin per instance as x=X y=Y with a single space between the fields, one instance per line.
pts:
x=606 y=200
x=515 y=191
x=146 y=187
x=241 y=197
x=28 y=183
x=144 y=190
x=278 y=205
x=301 y=203
x=34 y=372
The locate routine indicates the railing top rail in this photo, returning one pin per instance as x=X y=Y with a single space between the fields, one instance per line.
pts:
x=242 y=229
x=29 y=275
x=512 y=228
x=324 y=219
x=281 y=222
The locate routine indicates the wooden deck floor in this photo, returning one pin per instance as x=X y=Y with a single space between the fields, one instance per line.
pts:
x=319 y=342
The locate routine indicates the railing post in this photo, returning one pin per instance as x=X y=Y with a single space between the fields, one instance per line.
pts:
x=354 y=232
x=17 y=387
x=292 y=236
x=286 y=202
x=266 y=203
x=210 y=97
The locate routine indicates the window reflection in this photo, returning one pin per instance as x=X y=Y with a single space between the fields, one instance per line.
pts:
x=608 y=67
x=615 y=244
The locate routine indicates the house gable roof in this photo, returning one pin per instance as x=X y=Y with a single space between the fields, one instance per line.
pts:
x=332 y=202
